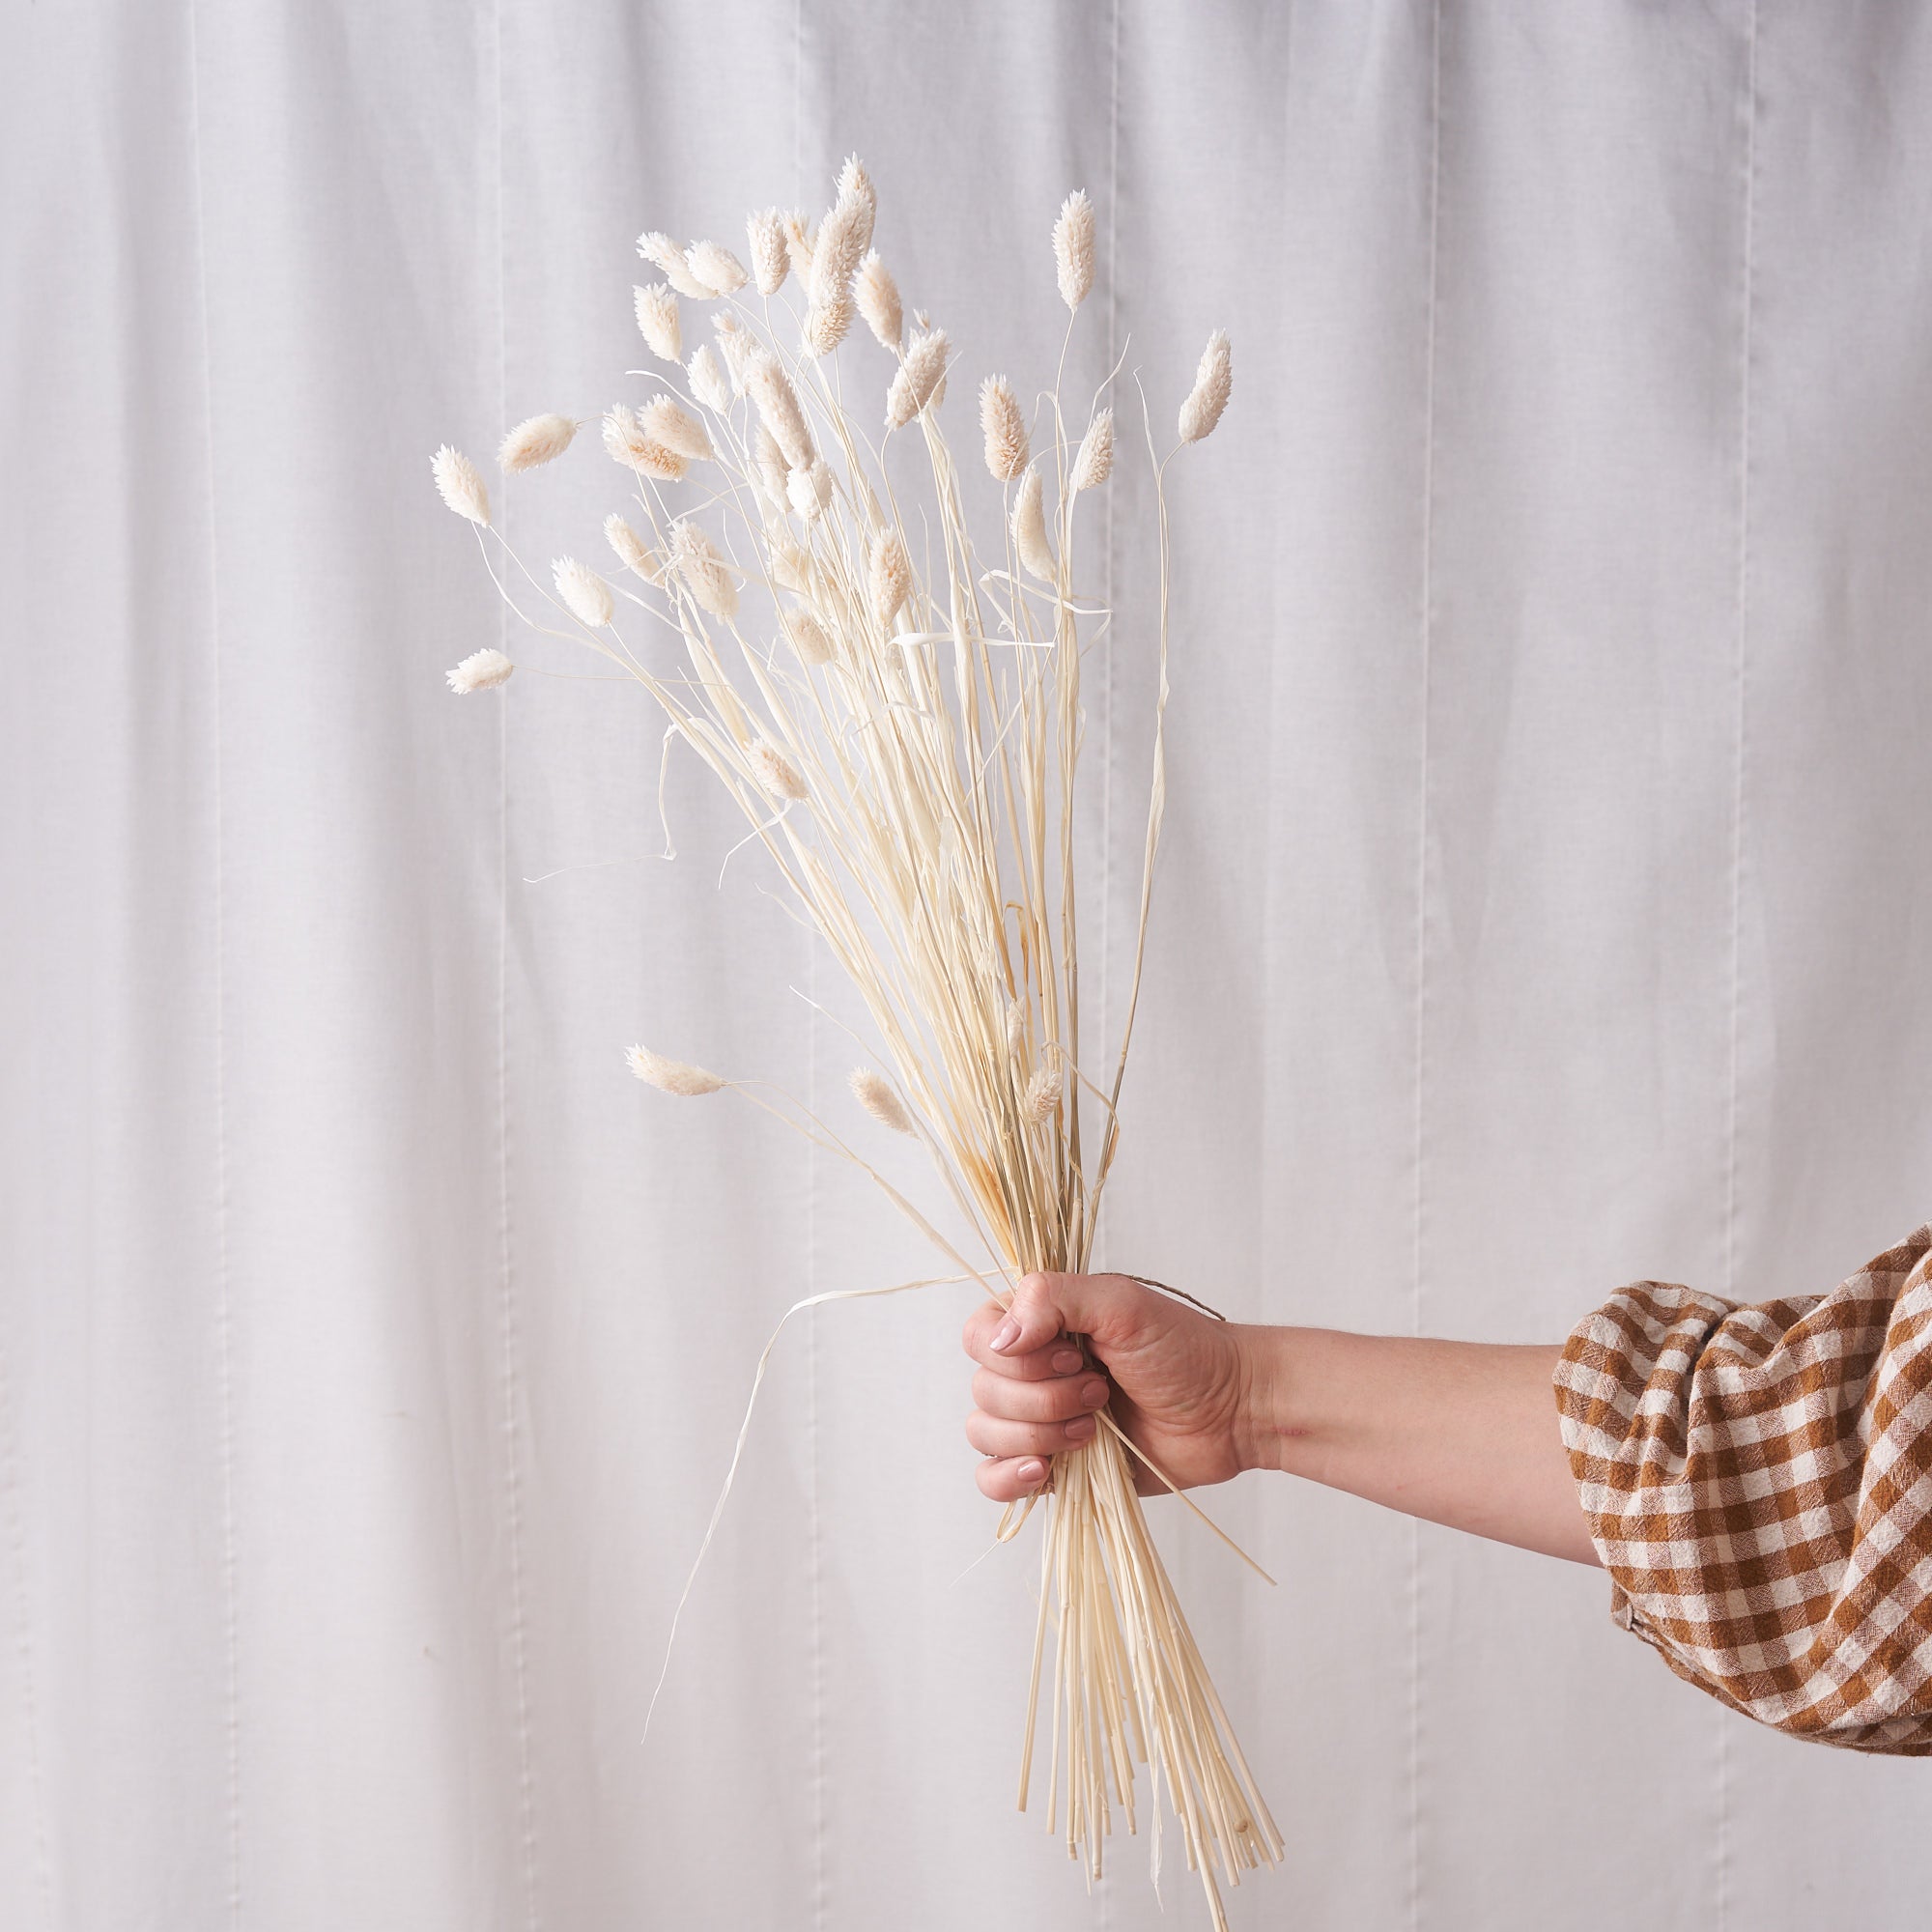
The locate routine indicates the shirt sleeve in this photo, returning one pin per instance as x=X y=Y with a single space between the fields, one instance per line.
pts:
x=1758 y=1484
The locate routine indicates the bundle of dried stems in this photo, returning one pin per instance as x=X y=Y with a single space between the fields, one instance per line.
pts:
x=902 y=733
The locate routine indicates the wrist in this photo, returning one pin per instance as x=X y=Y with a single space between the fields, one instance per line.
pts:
x=1264 y=1415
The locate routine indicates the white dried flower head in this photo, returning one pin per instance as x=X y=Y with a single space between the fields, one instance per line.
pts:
x=1096 y=462
x=771 y=260
x=632 y=551
x=1030 y=528
x=810 y=491
x=716 y=267
x=671 y=1076
x=708 y=577
x=585 y=595
x=737 y=345
x=879 y=301
x=708 y=380
x=844 y=236
x=625 y=439
x=807 y=638
x=1005 y=427
x=771 y=392
x=658 y=248
x=1209 y=397
x=1043 y=1092
x=657 y=319
x=1016 y=1019
x=1073 y=248
x=535 y=441
x=777 y=777
x=773 y=470
x=856 y=184
x=873 y=1092
x=919 y=380
x=827 y=324
x=480 y=671
x=460 y=484
x=791 y=567
x=799 y=245
x=890 y=577
x=663 y=420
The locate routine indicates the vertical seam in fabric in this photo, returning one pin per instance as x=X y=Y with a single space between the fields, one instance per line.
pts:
x=512 y=1383
x=820 y=1879
x=224 y=1324
x=1721 y=1838
x=1109 y=565
x=1426 y=641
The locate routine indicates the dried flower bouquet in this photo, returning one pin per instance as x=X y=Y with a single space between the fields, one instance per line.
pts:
x=907 y=756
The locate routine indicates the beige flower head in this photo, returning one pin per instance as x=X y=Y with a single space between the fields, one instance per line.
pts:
x=536 y=440
x=855 y=184
x=481 y=671
x=716 y=268
x=878 y=298
x=657 y=319
x=1004 y=428
x=460 y=485
x=1042 y=1094
x=665 y=422
x=799 y=245
x=699 y=561
x=890 y=577
x=771 y=260
x=810 y=491
x=1209 y=397
x=707 y=378
x=632 y=551
x=844 y=236
x=671 y=1076
x=627 y=442
x=778 y=410
x=1029 y=524
x=737 y=345
x=657 y=247
x=1096 y=462
x=874 y=1092
x=919 y=380
x=807 y=638
x=827 y=324
x=584 y=594
x=1073 y=248
x=777 y=777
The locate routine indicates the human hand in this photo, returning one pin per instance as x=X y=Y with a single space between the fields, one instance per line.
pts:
x=1179 y=1382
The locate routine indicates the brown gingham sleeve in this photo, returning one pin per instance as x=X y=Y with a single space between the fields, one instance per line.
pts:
x=1759 y=1483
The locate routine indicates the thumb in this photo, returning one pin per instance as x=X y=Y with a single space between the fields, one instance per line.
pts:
x=1046 y=1306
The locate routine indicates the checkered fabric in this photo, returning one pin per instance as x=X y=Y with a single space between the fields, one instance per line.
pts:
x=1758 y=1481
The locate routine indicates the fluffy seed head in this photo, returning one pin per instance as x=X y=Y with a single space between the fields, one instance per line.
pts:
x=479 y=671
x=879 y=301
x=631 y=550
x=874 y=1092
x=657 y=319
x=771 y=392
x=671 y=1076
x=791 y=568
x=716 y=267
x=890 y=577
x=658 y=248
x=535 y=441
x=1096 y=462
x=626 y=440
x=737 y=346
x=1030 y=528
x=806 y=637
x=810 y=491
x=675 y=428
x=1042 y=1094
x=799 y=245
x=773 y=470
x=856 y=184
x=919 y=380
x=585 y=595
x=777 y=777
x=771 y=260
x=844 y=236
x=1073 y=248
x=460 y=484
x=708 y=381
x=828 y=323
x=1005 y=427
x=705 y=573
x=1209 y=397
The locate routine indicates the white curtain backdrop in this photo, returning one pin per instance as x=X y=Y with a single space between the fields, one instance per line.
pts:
x=1547 y=904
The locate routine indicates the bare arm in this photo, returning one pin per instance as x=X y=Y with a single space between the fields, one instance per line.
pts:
x=1459 y=1433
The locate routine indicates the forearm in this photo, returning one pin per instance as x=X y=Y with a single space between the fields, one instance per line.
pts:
x=1458 y=1433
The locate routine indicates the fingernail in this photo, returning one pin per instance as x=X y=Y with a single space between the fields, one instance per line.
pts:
x=1080 y=1428
x=1032 y=1470
x=1069 y=1362
x=1094 y=1393
x=1004 y=1336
